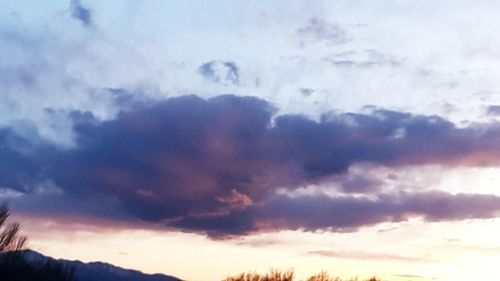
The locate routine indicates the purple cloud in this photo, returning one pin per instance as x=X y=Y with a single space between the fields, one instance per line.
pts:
x=214 y=166
x=346 y=213
x=360 y=184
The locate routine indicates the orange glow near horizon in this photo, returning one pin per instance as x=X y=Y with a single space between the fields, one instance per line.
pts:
x=393 y=252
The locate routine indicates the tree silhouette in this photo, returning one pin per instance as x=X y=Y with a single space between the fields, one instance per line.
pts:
x=10 y=240
x=273 y=275
x=277 y=275
x=15 y=265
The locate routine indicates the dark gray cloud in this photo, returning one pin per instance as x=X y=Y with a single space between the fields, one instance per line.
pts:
x=23 y=163
x=214 y=165
x=81 y=13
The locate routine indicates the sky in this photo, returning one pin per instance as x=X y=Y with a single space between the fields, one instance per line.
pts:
x=204 y=139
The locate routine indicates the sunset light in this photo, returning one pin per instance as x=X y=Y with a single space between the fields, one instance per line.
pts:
x=200 y=140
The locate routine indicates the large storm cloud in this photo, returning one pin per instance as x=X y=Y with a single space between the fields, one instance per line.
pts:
x=216 y=165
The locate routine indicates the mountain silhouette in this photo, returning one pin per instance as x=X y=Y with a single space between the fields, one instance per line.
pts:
x=99 y=271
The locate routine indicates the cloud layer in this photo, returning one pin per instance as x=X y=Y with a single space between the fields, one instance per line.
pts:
x=228 y=165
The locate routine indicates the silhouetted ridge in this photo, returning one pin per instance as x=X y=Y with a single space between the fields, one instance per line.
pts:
x=98 y=271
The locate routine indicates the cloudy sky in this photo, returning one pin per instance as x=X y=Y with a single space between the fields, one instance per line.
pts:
x=357 y=137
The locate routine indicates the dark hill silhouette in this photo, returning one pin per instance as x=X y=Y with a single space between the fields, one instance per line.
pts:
x=98 y=271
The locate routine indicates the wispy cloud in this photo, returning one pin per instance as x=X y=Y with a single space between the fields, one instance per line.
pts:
x=319 y=30
x=493 y=110
x=81 y=13
x=364 y=255
x=414 y=276
x=225 y=72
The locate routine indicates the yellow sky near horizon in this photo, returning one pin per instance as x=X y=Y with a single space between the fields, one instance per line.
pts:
x=393 y=252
